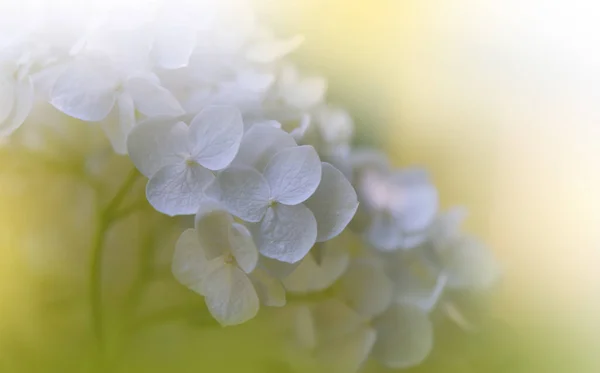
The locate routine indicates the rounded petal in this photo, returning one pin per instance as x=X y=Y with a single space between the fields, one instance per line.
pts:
x=410 y=288
x=277 y=269
x=334 y=320
x=230 y=295
x=469 y=264
x=334 y=203
x=243 y=248
x=286 y=233
x=293 y=174
x=384 y=233
x=86 y=90
x=269 y=289
x=190 y=266
x=178 y=189
x=155 y=143
x=24 y=97
x=151 y=99
x=119 y=123
x=404 y=337
x=366 y=287
x=213 y=225
x=242 y=191
x=215 y=136
x=317 y=275
x=7 y=97
x=260 y=143
x=173 y=46
x=348 y=354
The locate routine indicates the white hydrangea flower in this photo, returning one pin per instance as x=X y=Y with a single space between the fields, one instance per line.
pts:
x=214 y=259
x=466 y=262
x=292 y=199
x=178 y=159
x=403 y=204
x=319 y=273
x=415 y=283
x=366 y=287
x=90 y=88
x=404 y=336
x=300 y=93
x=344 y=338
x=332 y=335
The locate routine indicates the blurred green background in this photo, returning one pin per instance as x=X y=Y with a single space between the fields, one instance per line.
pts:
x=496 y=99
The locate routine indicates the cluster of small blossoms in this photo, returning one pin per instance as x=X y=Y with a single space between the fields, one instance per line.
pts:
x=203 y=101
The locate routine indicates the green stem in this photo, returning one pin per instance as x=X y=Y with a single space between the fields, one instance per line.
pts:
x=105 y=220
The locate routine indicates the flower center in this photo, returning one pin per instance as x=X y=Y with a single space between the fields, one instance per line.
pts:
x=228 y=259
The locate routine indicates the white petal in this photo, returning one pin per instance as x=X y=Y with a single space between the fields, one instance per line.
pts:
x=215 y=136
x=260 y=143
x=213 y=225
x=348 y=354
x=333 y=320
x=469 y=264
x=366 y=287
x=404 y=337
x=293 y=174
x=277 y=269
x=190 y=266
x=308 y=93
x=230 y=296
x=7 y=97
x=243 y=248
x=151 y=99
x=413 y=287
x=119 y=123
x=271 y=50
x=384 y=233
x=173 y=46
x=85 y=90
x=334 y=203
x=24 y=97
x=178 y=189
x=304 y=327
x=286 y=233
x=155 y=143
x=242 y=191
x=269 y=289
x=311 y=276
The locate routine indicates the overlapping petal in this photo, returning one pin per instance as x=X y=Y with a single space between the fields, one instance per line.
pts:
x=293 y=174
x=404 y=336
x=260 y=143
x=86 y=90
x=286 y=233
x=178 y=189
x=155 y=143
x=242 y=191
x=333 y=204
x=230 y=295
x=215 y=135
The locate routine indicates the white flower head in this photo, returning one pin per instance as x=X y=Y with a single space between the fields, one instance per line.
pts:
x=214 y=259
x=179 y=159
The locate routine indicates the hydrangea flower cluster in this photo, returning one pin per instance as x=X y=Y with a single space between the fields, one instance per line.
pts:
x=203 y=101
